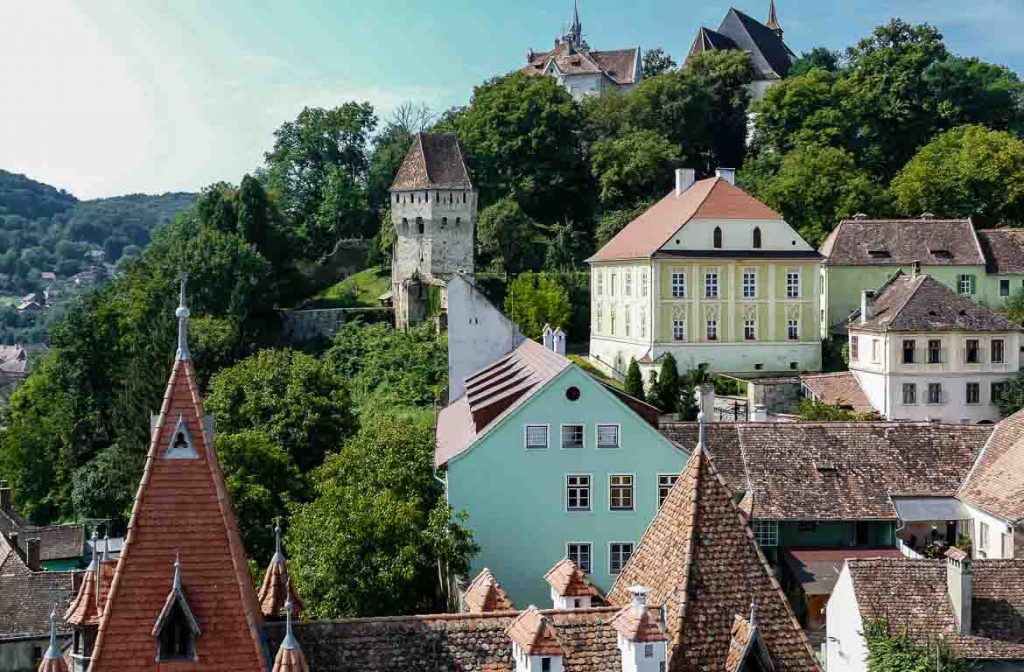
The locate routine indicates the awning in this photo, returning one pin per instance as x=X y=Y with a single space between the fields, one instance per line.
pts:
x=919 y=509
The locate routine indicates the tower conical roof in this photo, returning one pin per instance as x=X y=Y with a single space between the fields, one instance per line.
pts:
x=773 y=19
x=276 y=590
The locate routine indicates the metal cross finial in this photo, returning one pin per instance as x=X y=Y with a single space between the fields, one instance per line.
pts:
x=182 y=313
x=53 y=653
x=177 y=571
x=753 y=612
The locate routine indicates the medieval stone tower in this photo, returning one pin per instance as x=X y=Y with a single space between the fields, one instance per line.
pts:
x=433 y=209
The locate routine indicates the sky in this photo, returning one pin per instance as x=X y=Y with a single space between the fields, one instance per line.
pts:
x=109 y=97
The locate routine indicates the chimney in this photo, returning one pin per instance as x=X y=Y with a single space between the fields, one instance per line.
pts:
x=707 y=400
x=548 y=337
x=960 y=587
x=727 y=174
x=915 y=269
x=33 y=554
x=639 y=594
x=685 y=178
x=5 y=496
x=558 y=339
x=759 y=414
x=867 y=305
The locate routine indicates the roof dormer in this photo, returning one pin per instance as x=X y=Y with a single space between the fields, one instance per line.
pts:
x=176 y=628
x=642 y=637
x=535 y=644
x=570 y=587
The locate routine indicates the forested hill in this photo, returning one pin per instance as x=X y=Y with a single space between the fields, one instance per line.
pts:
x=46 y=229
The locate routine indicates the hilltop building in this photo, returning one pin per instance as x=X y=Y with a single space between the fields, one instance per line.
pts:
x=584 y=71
x=711 y=275
x=433 y=209
x=769 y=54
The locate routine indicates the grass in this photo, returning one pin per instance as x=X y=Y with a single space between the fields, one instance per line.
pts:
x=582 y=362
x=359 y=290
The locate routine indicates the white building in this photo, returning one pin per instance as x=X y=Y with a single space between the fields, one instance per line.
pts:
x=920 y=351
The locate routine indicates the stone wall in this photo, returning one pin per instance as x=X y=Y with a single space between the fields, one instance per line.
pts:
x=305 y=325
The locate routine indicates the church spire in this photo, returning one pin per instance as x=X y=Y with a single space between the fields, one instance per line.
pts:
x=53 y=659
x=773 y=20
x=182 y=314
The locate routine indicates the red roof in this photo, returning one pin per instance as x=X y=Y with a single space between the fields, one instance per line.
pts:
x=182 y=508
x=713 y=198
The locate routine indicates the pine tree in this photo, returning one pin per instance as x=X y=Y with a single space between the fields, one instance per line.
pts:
x=668 y=385
x=688 y=406
x=634 y=381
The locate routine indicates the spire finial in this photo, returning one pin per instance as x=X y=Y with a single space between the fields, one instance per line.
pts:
x=177 y=571
x=94 y=561
x=773 y=19
x=53 y=653
x=289 y=638
x=278 y=555
x=701 y=427
x=753 y=612
x=106 y=546
x=182 y=314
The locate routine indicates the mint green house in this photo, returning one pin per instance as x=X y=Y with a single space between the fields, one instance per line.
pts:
x=551 y=463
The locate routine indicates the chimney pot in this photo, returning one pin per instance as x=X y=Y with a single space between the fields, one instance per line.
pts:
x=685 y=178
x=548 y=337
x=727 y=174
x=867 y=306
x=33 y=554
x=639 y=596
x=558 y=341
x=915 y=269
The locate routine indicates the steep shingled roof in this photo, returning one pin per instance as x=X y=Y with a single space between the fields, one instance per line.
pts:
x=769 y=54
x=712 y=198
x=700 y=560
x=1004 y=250
x=900 y=242
x=276 y=590
x=996 y=483
x=434 y=161
x=618 y=65
x=911 y=594
x=485 y=594
x=922 y=303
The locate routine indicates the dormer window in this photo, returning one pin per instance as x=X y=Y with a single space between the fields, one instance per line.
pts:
x=176 y=628
x=181 y=446
x=717 y=238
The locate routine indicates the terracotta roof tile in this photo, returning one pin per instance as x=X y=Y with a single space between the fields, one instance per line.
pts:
x=290 y=660
x=434 y=161
x=485 y=594
x=619 y=65
x=700 y=560
x=899 y=242
x=713 y=198
x=996 y=482
x=1004 y=250
x=276 y=590
x=534 y=634
x=568 y=580
x=640 y=623
x=742 y=635
x=838 y=389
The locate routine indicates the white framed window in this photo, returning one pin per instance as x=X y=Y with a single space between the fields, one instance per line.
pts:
x=965 y=284
x=750 y=284
x=648 y=650
x=909 y=393
x=1004 y=288
x=678 y=285
x=598 y=316
x=875 y=350
x=678 y=330
x=577 y=492
x=580 y=553
x=611 y=320
x=643 y=283
x=853 y=348
x=983 y=539
x=793 y=284
x=750 y=330
x=607 y=436
x=627 y=283
x=712 y=330
x=711 y=285
x=973 y=393
x=572 y=436
x=536 y=437
x=934 y=393
x=665 y=483
x=627 y=326
x=997 y=351
x=600 y=282
x=643 y=323
x=766 y=532
x=996 y=392
x=793 y=330
x=620 y=492
x=611 y=284
x=619 y=553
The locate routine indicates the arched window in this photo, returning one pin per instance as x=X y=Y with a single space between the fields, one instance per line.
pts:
x=757 y=237
x=397 y=197
x=405 y=225
x=717 y=237
x=419 y=225
x=463 y=197
x=444 y=222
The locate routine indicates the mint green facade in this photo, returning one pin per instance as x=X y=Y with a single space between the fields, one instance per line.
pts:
x=516 y=497
x=832 y=534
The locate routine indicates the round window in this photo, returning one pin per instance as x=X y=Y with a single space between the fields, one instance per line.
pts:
x=573 y=393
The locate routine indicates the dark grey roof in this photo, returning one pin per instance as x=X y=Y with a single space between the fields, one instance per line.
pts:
x=26 y=597
x=900 y=242
x=1004 y=250
x=434 y=161
x=922 y=303
x=770 y=55
x=56 y=542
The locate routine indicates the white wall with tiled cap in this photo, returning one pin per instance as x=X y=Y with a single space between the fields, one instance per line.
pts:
x=845 y=649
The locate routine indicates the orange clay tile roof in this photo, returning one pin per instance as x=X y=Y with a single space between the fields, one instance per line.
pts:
x=713 y=198
x=87 y=607
x=534 y=634
x=640 y=623
x=276 y=590
x=182 y=508
x=434 y=161
x=568 y=580
x=700 y=561
x=52 y=665
x=996 y=481
x=485 y=594
x=838 y=389
x=290 y=660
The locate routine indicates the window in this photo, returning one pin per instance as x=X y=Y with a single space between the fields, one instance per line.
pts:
x=717 y=237
x=176 y=635
x=750 y=330
x=749 y=284
x=875 y=350
x=997 y=351
x=757 y=237
x=792 y=284
x=600 y=282
x=973 y=393
x=793 y=330
x=444 y=222
x=572 y=436
x=611 y=285
x=648 y=650
x=972 y=354
x=712 y=330
x=627 y=284
x=1005 y=546
x=620 y=492
x=934 y=352
x=665 y=483
x=908 y=351
x=643 y=283
x=420 y=227
x=909 y=393
x=996 y=392
x=536 y=436
x=983 y=538
x=627 y=319
x=965 y=284
x=545 y=664
x=853 y=348
x=766 y=532
x=611 y=320
x=934 y=393
x=572 y=393
x=678 y=330
x=618 y=555
x=643 y=323
x=577 y=495
x=579 y=552
x=1004 y=288
x=598 y=321
x=678 y=285
x=711 y=285
x=607 y=436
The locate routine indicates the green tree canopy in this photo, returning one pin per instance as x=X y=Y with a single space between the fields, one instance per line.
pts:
x=536 y=299
x=634 y=382
x=656 y=61
x=634 y=167
x=506 y=235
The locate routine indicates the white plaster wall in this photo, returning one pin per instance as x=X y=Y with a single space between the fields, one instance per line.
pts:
x=758 y=88
x=606 y=351
x=737 y=234
x=875 y=389
x=478 y=333
x=996 y=528
x=846 y=650
x=580 y=86
x=744 y=356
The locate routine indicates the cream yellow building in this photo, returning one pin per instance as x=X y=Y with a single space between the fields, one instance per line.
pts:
x=712 y=275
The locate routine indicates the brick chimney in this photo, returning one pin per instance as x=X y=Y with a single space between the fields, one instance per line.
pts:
x=5 y=496
x=685 y=177
x=960 y=587
x=33 y=554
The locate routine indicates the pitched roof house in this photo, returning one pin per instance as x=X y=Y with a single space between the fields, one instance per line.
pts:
x=55 y=547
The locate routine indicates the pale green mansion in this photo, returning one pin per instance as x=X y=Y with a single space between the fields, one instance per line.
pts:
x=711 y=275
x=862 y=254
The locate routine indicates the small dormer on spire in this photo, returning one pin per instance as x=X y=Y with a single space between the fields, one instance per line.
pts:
x=53 y=659
x=182 y=313
x=176 y=628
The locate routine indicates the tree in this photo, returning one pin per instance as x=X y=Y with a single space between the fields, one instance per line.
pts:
x=668 y=384
x=1014 y=308
x=818 y=57
x=633 y=168
x=970 y=171
x=816 y=411
x=105 y=487
x=379 y=532
x=1011 y=399
x=296 y=400
x=725 y=75
x=565 y=245
x=536 y=299
x=890 y=651
x=506 y=234
x=804 y=109
x=656 y=61
x=613 y=221
x=634 y=383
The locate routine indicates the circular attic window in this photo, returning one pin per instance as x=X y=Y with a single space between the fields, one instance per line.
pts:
x=572 y=393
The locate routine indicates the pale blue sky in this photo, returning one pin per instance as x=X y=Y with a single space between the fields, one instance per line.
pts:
x=105 y=97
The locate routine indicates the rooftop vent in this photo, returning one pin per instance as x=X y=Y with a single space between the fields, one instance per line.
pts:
x=933 y=313
x=942 y=253
x=826 y=466
x=879 y=253
x=860 y=215
x=927 y=215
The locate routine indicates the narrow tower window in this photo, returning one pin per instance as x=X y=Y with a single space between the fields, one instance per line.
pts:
x=419 y=225
x=717 y=237
x=757 y=237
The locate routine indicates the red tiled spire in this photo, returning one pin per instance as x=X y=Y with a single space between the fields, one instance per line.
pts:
x=276 y=590
x=534 y=634
x=182 y=508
